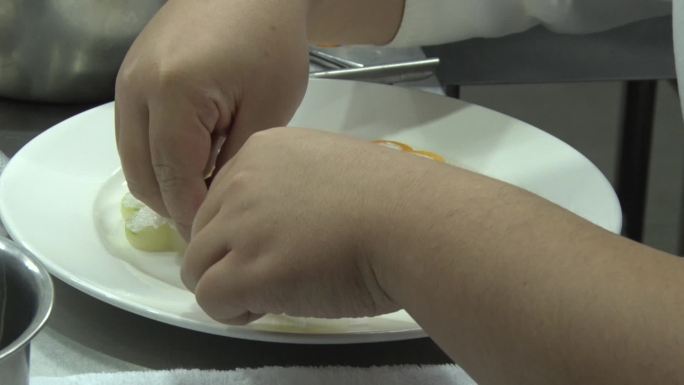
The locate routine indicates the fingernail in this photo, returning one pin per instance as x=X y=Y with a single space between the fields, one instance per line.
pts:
x=184 y=231
x=190 y=283
x=242 y=319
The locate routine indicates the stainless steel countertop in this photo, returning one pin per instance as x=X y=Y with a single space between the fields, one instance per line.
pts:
x=86 y=335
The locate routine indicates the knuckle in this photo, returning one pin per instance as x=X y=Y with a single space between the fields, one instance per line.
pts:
x=130 y=78
x=168 y=178
x=124 y=79
x=230 y=184
x=169 y=77
x=239 y=186
x=240 y=180
x=160 y=77
x=141 y=191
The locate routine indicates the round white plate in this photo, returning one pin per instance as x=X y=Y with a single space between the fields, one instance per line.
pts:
x=58 y=198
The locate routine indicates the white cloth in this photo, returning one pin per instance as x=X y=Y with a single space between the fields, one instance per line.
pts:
x=427 y=22
x=385 y=375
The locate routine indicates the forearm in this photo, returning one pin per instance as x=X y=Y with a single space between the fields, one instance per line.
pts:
x=338 y=22
x=330 y=22
x=518 y=290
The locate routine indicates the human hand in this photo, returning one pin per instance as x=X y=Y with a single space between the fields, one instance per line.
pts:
x=198 y=73
x=290 y=225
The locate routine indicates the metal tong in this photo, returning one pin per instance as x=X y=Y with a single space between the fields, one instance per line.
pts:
x=340 y=68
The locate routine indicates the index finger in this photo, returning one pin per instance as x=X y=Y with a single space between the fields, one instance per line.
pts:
x=180 y=148
x=132 y=140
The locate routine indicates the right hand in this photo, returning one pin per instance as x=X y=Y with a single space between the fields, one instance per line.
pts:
x=295 y=223
x=201 y=72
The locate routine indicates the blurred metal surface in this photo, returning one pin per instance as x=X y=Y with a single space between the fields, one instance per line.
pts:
x=67 y=50
x=27 y=296
x=3 y=233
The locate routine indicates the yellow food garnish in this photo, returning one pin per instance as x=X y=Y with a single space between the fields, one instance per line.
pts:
x=393 y=144
x=428 y=154
x=146 y=230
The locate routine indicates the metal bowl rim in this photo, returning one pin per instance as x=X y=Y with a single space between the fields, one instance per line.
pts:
x=45 y=300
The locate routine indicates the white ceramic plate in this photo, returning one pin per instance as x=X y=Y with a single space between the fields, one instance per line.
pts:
x=59 y=198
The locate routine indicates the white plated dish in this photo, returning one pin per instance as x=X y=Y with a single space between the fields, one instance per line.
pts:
x=59 y=198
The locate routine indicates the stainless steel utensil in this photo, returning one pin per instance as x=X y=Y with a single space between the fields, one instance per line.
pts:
x=327 y=60
x=385 y=73
x=67 y=50
x=26 y=296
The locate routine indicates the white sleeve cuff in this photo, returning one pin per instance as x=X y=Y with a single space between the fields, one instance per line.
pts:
x=428 y=22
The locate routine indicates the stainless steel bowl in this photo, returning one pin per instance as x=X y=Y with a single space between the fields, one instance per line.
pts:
x=67 y=50
x=26 y=296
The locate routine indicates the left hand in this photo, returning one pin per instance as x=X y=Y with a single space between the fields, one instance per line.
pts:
x=290 y=224
x=201 y=72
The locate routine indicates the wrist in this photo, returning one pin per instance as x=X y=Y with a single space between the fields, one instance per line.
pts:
x=409 y=225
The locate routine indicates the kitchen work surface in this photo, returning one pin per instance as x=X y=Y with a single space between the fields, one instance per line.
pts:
x=59 y=211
